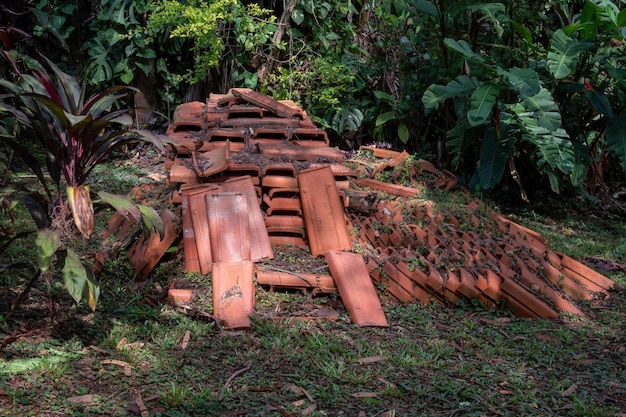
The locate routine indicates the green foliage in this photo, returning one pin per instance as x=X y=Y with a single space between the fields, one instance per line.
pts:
x=547 y=109
x=75 y=133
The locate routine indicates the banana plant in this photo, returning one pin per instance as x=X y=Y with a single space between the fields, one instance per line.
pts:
x=561 y=109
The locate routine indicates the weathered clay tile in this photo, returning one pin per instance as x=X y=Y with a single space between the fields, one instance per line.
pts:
x=190 y=250
x=229 y=228
x=511 y=289
x=261 y=100
x=587 y=272
x=323 y=212
x=236 y=140
x=302 y=153
x=199 y=219
x=392 y=189
x=233 y=293
x=320 y=283
x=309 y=137
x=282 y=205
x=356 y=288
x=260 y=246
x=146 y=252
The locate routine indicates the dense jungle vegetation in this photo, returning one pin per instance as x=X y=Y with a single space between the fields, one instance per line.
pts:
x=524 y=95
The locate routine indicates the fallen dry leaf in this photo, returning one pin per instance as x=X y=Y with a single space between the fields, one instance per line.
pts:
x=143 y=410
x=569 y=391
x=505 y=392
x=364 y=395
x=299 y=391
x=298 y=403
x=545 y=337
x=157 y=177
x=372 y=359
x=125 y=365
x=308 y=410
x=185 y=342
x=81 y=399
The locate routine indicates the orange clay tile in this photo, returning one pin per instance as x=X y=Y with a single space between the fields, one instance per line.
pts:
x=236 y=140
x=211 y=162
x=541 y=288
x=233 y=293
x=260 y=246
x=199 y=220
x=146 y=252
x=310 y=137
x=393 y=189
x=229 y=228
x=302 y=153
x=356 y=288
x=559 y=280
x=182 y=172
x=264 y=101
x=323 y=212
x=512 y=289
x=586 y=272
x=279 y=206
x=319 y=283
x=190 y=250
x=416 y=292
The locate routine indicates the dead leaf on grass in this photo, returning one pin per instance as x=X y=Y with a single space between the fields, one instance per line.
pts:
x=185 y=342
x=127 y=368
x=545 y=337
x=81 y=399
x=569 y=391
x=496 y=322
x=364 y=395
x=299 y=391
x=298 y=403
x=157 y=177
x=143 y=410
x=505 y=391
x=372 y=359
x=308 y=410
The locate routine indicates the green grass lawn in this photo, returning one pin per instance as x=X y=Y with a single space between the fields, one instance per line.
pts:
x=138 y=356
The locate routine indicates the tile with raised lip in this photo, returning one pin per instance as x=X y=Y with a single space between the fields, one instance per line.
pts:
x=512 y=289
x=322 y=211
x=322 y=282
x=260 y=246
x=229 y=227
x=356 y=288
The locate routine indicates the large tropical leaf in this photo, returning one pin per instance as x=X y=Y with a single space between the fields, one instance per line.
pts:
x=74 y=275
x=553 y=150
x=122 y=204
x=494 y=153
x=563 y=54
x=82 y=209
x=47 y=243
x=483 y=99
x=524 y=80
x=616 y=139
x=463 y=48
x=493 y=13
x=458 y=140
x=540 y=110
x=435 y=95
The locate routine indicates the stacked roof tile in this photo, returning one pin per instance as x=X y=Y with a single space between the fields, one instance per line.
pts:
x=254 y=173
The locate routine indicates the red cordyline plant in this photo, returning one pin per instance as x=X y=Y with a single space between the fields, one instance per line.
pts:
x=75 y=133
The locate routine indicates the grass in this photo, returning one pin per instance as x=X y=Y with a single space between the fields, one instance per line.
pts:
x=432 y=360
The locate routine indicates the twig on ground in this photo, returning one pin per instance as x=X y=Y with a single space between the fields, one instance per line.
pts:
x=233 y=376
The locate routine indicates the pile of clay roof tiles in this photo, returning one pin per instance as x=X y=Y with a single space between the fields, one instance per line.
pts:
x=254 y=173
